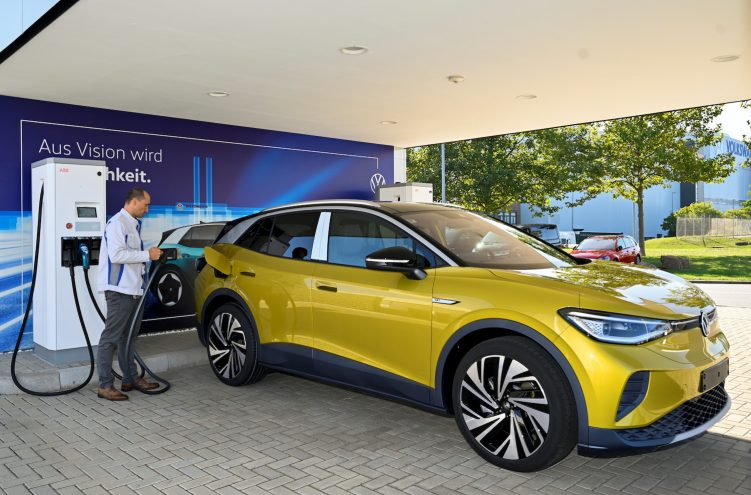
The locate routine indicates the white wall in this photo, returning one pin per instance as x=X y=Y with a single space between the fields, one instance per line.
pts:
x=400 y=165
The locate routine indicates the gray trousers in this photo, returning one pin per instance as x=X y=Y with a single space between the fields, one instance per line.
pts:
x=119 y=310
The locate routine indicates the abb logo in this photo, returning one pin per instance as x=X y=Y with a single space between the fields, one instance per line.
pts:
x=63 y=170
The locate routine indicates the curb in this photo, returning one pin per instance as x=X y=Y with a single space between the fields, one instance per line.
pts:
x=153 y=349
x=738 y=282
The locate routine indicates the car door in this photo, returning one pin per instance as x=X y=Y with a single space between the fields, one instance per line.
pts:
x=630 y=255
x=272 y=272
x=620 y=250
x=371 y=327
x=635 y=249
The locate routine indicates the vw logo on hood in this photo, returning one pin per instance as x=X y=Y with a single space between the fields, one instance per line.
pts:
x=705 y=324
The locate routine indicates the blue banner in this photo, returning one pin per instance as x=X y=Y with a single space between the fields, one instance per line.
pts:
x=194 y=171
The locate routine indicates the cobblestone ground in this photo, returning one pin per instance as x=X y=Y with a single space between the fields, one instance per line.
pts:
x=289 y=435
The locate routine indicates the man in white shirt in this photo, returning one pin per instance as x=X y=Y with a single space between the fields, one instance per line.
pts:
x=122 y=264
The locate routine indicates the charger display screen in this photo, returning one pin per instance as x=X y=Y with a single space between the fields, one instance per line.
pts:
x=86 y=211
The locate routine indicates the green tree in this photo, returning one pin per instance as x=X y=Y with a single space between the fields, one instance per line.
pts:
x=743 y=212
x=698 y=210
x=654 y=150
x=669 y=223
x=490 y=174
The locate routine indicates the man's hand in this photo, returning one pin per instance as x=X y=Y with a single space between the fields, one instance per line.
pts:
x=154 y=253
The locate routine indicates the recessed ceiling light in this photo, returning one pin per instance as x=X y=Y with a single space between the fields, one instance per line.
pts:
x=455 y=78
x=353 y=50
x=725 y=58
x=218 y=94
x=388 y=122
x=526 y=97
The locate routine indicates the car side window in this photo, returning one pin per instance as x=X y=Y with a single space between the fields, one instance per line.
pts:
x=621 y=243
x=353 y=236
x=201 y=236
x=292 y=235
x=287 y=236
x=256 y=238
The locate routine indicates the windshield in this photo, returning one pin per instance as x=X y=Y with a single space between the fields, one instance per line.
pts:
x=483 y=242
x=596 y=244
x=548 y=233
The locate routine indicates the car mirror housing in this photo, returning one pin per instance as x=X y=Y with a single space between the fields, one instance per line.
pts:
x=217 y=260
x=396 y=259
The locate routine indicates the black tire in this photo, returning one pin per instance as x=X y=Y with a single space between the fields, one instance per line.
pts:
x=169 y=286
x=232 y=346
x=638 y=260
x=538 y=396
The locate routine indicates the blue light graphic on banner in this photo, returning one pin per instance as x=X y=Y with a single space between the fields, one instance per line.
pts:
x=303 y=189
x=209 y=183
x=196 y=180
x=15 y=278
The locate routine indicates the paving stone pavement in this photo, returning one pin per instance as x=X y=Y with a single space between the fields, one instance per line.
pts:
x=290 y=435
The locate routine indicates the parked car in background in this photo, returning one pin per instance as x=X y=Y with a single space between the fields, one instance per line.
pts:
x=548 y=232
x=532 y=351
x=169 y=302
x=568 y=238
x=621 y=248
x=174 y=282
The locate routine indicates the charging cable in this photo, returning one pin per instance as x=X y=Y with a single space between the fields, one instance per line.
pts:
x=28 y=311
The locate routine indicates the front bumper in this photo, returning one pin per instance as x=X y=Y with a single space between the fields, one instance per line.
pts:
x=690 y=419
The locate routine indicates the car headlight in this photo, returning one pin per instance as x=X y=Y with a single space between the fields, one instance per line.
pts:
x=606 y=258
x=618 y=329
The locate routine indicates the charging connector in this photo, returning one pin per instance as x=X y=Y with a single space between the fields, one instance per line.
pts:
x=85 y=260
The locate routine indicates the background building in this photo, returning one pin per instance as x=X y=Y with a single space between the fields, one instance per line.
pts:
x=607 y=214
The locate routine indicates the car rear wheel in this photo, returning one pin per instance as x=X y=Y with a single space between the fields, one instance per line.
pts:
x=512 y=405
x=638 y=260
x=232 y=346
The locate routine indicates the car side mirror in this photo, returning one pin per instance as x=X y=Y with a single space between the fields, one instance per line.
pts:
x=217 y=261
x=396 y=259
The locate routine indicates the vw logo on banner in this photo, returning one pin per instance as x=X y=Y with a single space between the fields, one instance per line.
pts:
x=376 y=180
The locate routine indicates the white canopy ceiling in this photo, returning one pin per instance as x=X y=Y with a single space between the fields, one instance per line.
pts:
x=584 y=60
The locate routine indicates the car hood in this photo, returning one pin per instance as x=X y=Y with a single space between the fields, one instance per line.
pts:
x=620 y=288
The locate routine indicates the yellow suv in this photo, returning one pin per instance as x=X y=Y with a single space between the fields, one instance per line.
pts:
x=533 y=351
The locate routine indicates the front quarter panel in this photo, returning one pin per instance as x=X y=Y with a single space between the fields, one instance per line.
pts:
x=484 y=296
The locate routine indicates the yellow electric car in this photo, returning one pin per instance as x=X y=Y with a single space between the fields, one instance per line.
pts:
x=533 y=351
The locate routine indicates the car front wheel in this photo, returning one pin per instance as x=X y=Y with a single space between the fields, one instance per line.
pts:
x=232 y=347
x=513 y=405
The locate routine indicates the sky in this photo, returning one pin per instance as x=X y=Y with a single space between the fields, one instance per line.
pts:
x=734 y=120
x=17 y=15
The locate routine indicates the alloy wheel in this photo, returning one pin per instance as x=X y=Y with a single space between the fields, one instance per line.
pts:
x=169 y=289
x=227 y=345
x=504 y=407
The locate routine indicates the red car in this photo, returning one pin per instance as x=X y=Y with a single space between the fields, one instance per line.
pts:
x=621 y=248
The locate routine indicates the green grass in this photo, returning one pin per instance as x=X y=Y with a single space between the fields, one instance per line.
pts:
x=711 y=258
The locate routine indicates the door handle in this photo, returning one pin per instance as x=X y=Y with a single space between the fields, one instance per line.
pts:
x=328 y=288
x=250 y=273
